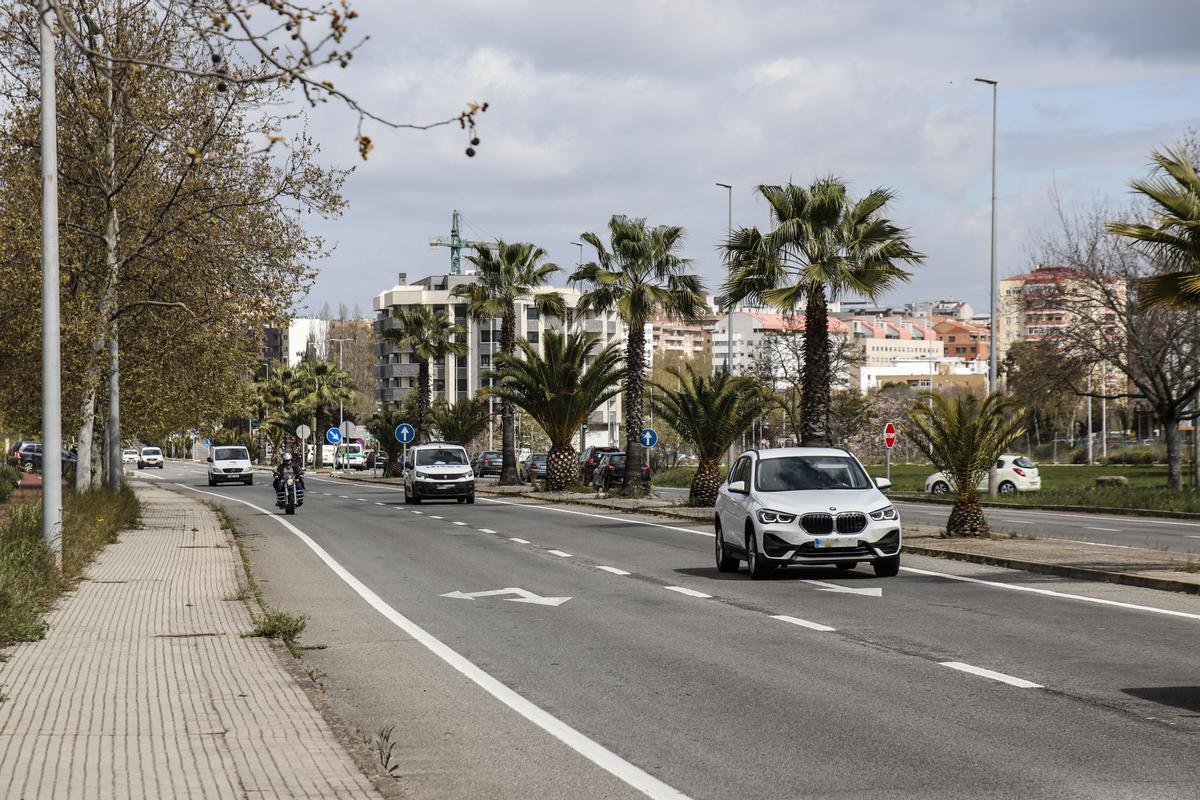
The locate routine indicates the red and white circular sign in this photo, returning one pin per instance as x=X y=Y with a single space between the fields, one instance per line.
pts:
x=889 y=435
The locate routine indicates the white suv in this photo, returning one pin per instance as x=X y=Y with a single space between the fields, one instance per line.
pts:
x=804 y=505
x=150 y=457
x=437 y=470
x=230 y=463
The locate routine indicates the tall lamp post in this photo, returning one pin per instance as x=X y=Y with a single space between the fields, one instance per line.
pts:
x=993 y=289
x=729 y=317
x=51 y=376
x=582 y=430
x=341 y=411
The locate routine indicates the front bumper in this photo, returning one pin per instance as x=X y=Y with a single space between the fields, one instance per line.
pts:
x=434 y=488
x=787 y=544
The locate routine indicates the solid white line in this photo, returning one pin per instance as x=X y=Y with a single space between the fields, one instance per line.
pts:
x=599 y=516
x=486 y=530
x=688 y=592
x=460 y=523
x=1050 y=593
x=613 y=570
x=1096 y=544
x=595 y=752
x=1020 y=683
x=559 y=553
x=803 y=623
x=1036 y=512
x=1193 y=537
x=518 y=541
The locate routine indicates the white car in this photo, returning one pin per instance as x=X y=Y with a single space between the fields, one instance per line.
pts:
x=1014 y=473
x=230 y=463
x=150 y=457
x=438 y=470
x=804 y=505
x=129 y=456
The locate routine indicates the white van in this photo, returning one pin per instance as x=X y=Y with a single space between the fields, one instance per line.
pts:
x=352 y=457
x=230 y=463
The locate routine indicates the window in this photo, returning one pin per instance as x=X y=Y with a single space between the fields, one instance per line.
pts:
x=432 y=457
x=485 y=360
x=485 y=335
x=231 y=454
x=741 y=470
x=462 y=384
x=531 y=314
x=800 y=473
x=534 y=337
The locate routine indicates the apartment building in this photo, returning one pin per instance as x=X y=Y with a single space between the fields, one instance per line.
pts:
x=685 y=339
x=963 y=339
x=1034 y=305
x=459 y=378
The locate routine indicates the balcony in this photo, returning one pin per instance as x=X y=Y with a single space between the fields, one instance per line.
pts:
x=385 y=371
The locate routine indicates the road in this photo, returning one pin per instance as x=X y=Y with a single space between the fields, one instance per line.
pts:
x=661 y=677
x=1125 y=530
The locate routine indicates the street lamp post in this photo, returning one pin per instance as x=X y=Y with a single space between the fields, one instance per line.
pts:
x=729 y=316
x=993 y=289
x=51 y=376
x=341 y=411
x=582 y=431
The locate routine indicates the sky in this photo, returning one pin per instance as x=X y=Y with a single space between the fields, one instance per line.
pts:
x=639 y=108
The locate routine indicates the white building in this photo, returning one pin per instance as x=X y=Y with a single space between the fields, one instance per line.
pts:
x=924 y=374
x=751 y=330
x=307 y=337
x=460 y=378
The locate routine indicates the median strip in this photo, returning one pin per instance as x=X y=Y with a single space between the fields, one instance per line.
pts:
x=1020 y=683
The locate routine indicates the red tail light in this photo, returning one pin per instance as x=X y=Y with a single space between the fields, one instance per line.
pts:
x=1019 y=471
x=611 y=468
x=591 y=461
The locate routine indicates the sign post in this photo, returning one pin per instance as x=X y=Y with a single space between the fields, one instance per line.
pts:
x=302 y=433
x=405 y=433
x=889 y=441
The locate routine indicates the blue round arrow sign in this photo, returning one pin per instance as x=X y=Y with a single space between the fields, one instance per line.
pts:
x=333 y=436
x=405 y=433
x=207 y=442
x=649 y=437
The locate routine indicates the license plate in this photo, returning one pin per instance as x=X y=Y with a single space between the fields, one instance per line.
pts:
x=834 y=541
x=445 y=486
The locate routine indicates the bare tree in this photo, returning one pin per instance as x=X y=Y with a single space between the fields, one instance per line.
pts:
x=1155 y=350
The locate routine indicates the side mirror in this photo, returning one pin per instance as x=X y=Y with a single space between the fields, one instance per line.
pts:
x=209 y=459
x=883 y=483
x=738 y=487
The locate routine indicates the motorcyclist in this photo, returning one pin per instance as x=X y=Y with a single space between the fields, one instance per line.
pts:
x=288 y=469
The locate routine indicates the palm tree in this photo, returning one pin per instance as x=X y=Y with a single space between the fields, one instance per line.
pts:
x=963 y=437
x=640 y=275
x=382 y=426
x=461 y=422
x=430 y=335
x=824 y=246
x=1174 y=231
x=323 y=385
x=559 y=389
x=708 y=412
x=512 y=272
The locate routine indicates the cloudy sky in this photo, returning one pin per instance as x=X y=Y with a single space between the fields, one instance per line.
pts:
x=640 y=107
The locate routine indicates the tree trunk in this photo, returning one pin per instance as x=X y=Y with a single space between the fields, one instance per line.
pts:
x=966 y=518
x=423 y=389
x=814 y=403
x=635 y=379
x=508 y=433
x=115 y=466
x=705 y=483
x=1174 y=464
x=560 y=467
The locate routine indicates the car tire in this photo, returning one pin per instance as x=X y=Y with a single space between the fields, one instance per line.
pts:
x=407 y=498
x=941 y=487
x=250 y=481
x=416 y=498
x=887 y=567
x=1007 y=487
x=847 y=565
x=725 y=561
x=471 y=499
x=756 y=564
x=27 y=467
x=461 y=500
x=140 y=465
x=160 y=466
x=211 y=482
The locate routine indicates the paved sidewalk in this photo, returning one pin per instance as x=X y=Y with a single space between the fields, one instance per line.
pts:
x=145 y=687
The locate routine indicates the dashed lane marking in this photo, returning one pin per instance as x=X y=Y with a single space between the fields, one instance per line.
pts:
x=803 y=623
x=515 y=539
x=614 y=570
x=1020 y=683
x=687 y=591
x=486 y=530
x=459 y=523
x=435 y=516
x=559 y=553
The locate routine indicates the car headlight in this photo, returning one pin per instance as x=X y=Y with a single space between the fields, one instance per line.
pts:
x=887 y=512
x=468 y=474
x=422 y=474
x=775 y=517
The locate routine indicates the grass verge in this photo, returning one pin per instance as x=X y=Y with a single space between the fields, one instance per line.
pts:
x=29 y=581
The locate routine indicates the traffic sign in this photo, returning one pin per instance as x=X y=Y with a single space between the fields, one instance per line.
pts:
x=349 y=430
x=889 y=435
x=303 y=431
x=405 y=433
x=333 y=436
x=649 y=437
x=207 y=442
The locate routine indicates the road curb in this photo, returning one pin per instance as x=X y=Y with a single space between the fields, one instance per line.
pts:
x=1061 y=570
x=1116 y=512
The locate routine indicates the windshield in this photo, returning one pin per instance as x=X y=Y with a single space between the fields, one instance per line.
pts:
x=131 y=452
x=802 y=473
x=151 y=451
x=616 y=461
x=1024 y=463
x=354 y=449
x=438 y=457
x=231 y=454
x=491 y=454
x=538 y=458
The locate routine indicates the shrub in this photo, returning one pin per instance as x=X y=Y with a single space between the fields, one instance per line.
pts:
x=1143 y=457
x=10 y=479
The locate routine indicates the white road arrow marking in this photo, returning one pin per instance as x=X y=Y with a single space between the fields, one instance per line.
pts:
x=834 y=587
x=523 y=596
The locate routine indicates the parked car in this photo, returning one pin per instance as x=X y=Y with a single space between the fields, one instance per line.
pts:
x=533 y=468
x=588 y=459
x=376 y=458
x=1014 y=473
x=25 y=455
x=150 y=457
x=804 y=505
x=438 y=470
x=231 y=463
x=129 y=456
x=489 y=462
x=610 y=471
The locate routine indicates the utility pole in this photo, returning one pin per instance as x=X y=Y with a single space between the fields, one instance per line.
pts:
x=51 y=375
x=456 y=244
x=993 y=480
x=341 y=411
x=729 y=312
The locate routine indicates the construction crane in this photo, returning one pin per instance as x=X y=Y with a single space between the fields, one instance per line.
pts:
x=456 y=244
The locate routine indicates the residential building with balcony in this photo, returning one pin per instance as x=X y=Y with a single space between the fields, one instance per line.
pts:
x=963 y=339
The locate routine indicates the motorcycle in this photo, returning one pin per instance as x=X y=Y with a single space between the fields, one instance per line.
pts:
x=289 y=494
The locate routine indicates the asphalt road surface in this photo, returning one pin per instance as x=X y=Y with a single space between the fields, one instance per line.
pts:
x=639 y=670
x=1126 y=530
